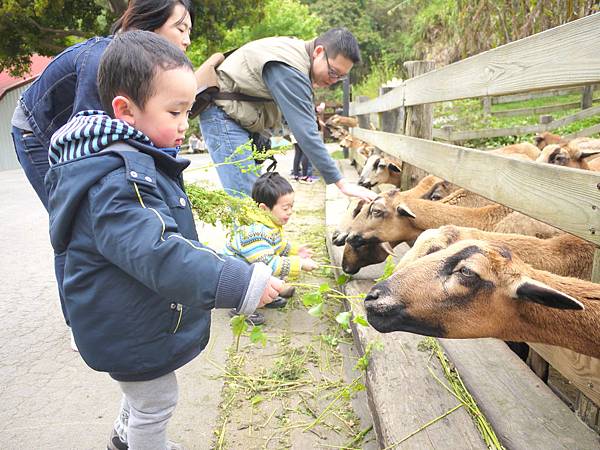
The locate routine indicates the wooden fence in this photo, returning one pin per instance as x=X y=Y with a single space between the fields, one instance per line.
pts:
x=569 y=199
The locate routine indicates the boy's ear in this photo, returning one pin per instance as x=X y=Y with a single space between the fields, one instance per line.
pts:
x=123 y=109
x=264 y=207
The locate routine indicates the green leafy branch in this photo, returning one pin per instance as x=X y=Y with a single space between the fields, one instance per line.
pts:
x=239 y=326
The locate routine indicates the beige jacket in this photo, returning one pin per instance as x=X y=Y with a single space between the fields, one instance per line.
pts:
x=242 y=72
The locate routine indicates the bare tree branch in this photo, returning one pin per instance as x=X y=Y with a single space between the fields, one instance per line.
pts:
x=57 y=33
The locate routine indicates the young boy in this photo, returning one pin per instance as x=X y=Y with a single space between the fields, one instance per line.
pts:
x=264 y=241
x=138 y=285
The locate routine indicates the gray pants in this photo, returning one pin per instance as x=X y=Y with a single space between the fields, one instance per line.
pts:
x=146 y=408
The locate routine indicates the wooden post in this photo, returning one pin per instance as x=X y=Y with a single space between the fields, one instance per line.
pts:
x=419 y=123
x=391 y=121
x=546 y=119
x=363 y=119
x=486 y=103
x=587 y=97
x=346 y=99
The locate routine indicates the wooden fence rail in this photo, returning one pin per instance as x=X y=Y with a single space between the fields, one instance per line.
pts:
x=569 y=199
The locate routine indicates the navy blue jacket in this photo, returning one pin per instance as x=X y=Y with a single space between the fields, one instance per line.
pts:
x=138 y=285
x=68 y=85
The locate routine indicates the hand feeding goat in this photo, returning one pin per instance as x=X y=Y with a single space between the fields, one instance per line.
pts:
x=476 y=289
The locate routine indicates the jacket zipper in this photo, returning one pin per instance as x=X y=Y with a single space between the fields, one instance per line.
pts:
x=177 y=307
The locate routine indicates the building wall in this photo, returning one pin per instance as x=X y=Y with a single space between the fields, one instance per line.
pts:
x=8 y=159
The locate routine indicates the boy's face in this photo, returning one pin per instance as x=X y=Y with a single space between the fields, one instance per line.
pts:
x=283 y=209
x=164 y=118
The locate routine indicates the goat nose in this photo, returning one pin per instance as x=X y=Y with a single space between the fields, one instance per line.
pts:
x=372 y=295
x=355 y=240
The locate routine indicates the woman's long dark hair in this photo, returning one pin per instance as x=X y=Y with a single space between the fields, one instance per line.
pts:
x=149 y=15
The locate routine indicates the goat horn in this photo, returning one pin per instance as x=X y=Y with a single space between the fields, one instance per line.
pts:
x=388 y=248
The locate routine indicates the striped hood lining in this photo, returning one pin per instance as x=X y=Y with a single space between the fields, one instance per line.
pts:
x=90 y=132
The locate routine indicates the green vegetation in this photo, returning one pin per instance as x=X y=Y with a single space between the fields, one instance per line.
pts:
x=468 y=115
x=459 y=391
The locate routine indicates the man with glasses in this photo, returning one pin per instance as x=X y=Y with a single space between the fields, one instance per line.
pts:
x=268 y=78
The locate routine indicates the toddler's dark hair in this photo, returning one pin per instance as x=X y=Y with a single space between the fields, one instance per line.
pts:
x=130 y=64
x=269 y=187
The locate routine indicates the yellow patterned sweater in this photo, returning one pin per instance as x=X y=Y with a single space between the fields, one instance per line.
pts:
x=264 y=241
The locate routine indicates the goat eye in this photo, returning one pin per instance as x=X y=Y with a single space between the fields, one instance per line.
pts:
x=465 y=271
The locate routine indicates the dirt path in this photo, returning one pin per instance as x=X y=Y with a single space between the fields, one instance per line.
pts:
x=296 y=392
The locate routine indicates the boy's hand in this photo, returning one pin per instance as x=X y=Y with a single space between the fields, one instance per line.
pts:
x=309 y=264
x=271 y=292
x=304 y=251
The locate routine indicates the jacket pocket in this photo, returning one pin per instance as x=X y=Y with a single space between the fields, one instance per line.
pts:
x=177 y=311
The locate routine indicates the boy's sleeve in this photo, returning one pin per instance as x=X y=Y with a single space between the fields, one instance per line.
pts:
x=253 y=245
x=136 y=232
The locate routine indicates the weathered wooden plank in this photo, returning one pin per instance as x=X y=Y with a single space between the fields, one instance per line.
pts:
x=539 y=109
x=566 y=198
x=404 y=396
x=533 y=95
x=585 y=132
x=523 y=411
x=581 y=370
x=391 y=100
x=563 y=56
x=451 y=135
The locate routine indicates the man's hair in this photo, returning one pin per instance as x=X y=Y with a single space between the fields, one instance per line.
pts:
x=340 y=41
x=269 y=187
x=130 y=64
x=149 y=15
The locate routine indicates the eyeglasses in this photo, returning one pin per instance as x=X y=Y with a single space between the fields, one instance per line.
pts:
x=333 y=74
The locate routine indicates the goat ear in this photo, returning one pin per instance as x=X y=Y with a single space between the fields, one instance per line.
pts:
x=534 y=291
x=586 y=153
x=404 y=210
x=394 y=168
x=387 y=247
x=359 y=206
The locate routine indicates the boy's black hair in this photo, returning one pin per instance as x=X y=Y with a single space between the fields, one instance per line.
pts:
x=340 y=41
x=130 y=63
x=269 y=187
x=149 y=15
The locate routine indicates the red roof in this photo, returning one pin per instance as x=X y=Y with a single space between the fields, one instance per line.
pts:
x=8 y=82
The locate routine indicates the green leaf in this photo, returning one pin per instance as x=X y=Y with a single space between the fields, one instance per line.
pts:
x=324 y=288
x=316 y=310
x=312 y=298
x=256 y=400
x=343 y=279
x=238 y=324
x=360 y=320
x=343 y=319
x=257 y=335
x=388 y=269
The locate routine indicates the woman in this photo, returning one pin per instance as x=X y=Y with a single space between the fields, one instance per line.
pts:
x=68 y=86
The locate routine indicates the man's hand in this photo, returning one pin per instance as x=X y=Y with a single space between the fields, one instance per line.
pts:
x=304 y=251
x=271 y=292
x=354 y=190
x=308 y=264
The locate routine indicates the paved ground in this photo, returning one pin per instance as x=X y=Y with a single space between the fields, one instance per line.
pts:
x=50 y=399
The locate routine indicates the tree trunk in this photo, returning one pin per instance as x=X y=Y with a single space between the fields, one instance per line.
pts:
x=117 y=7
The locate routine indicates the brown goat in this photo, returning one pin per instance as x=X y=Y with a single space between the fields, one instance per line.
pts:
x=391 y=218
x=578 y=154
x=479 y=289
x=564 y=255
x=524 y=150
x=430 y=187
x=517 y=222
x=547 y=138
